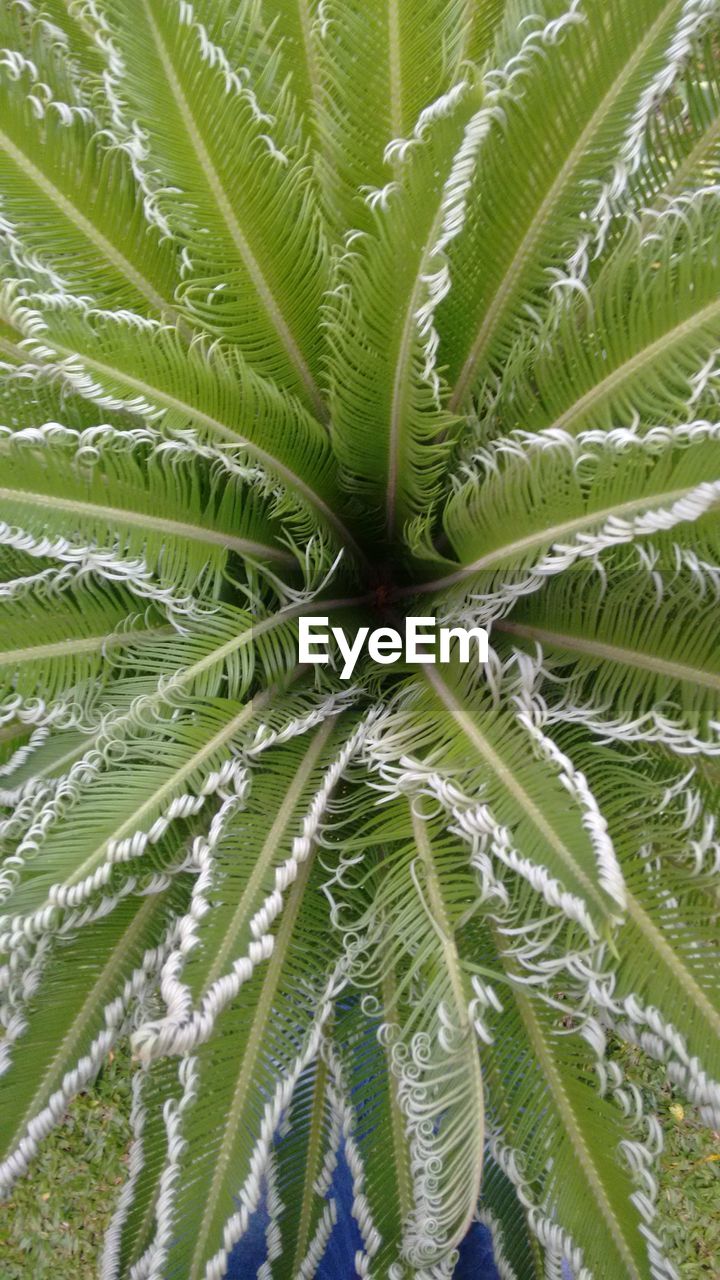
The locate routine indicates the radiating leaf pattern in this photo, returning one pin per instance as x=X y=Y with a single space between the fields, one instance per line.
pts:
x=314 y=307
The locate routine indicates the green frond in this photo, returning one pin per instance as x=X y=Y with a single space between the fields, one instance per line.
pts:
x=71 y=38
x=101 y=491
x=349 y=311
x=627 y=648
x=664 y=994
x=267 y=1038
x=77 y=1015
x=118 y=814
x=402 y=904
x=258 y=849
x=682 y=145
x=639 y=347
x=82 y=629
x=132 y=1229
x=562 y=109
x=60 y=167
x=504 y=1215
x=454 y=728
x=254 y=262
x=255 y=846
x=372 y=68
x=383 y=1140
x=305 y=1154
x=115 y=359
x=388 y=427
x=574 y=500
x=218 y=654
x=150 y=768
x=541 y=1077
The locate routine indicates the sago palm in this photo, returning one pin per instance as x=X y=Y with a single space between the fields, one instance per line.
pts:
x=361 y=309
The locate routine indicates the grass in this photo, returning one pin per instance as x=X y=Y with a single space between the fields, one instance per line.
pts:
x=689 y=1198
x=54 y=1224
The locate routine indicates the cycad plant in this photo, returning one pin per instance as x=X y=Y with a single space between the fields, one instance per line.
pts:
x=361 y=309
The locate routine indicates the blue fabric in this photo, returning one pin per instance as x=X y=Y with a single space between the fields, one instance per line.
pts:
x=476 y=1256
x=345 y=1238
x=476 y=1260
x=248 y=1256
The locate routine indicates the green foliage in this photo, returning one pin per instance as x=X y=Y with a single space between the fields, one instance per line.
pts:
x=54 y=1224
x=357 y=309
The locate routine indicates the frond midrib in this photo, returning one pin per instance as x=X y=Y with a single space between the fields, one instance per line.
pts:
x=397 y=1124
x=159 y=524
x=546 y=209
x=614 y=653
x=312 y=1164
x=238 y=237
x=109 y=251
x=550 y=536
x=79 y=644
x=508 y=780
x=584 y=1155
x=395 y=69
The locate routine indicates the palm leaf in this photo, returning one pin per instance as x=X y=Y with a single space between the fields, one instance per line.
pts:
x=500 y=263
x=82 y=631
x=50 y=155
x=389 y=55
x=504 y=1215
x=592 y=510
x=387 y=416
x=625 y=650
x=320 y=309
x=655 y=367
x=261 y=1032
x=74 y=1024
x=126 y=494
x=540 y=1071
x=210 y=400
x=304 y=1155
x=379 y=1118
x=541 y=833
x=423 y=997
x=236 y=205
x=672 y=913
